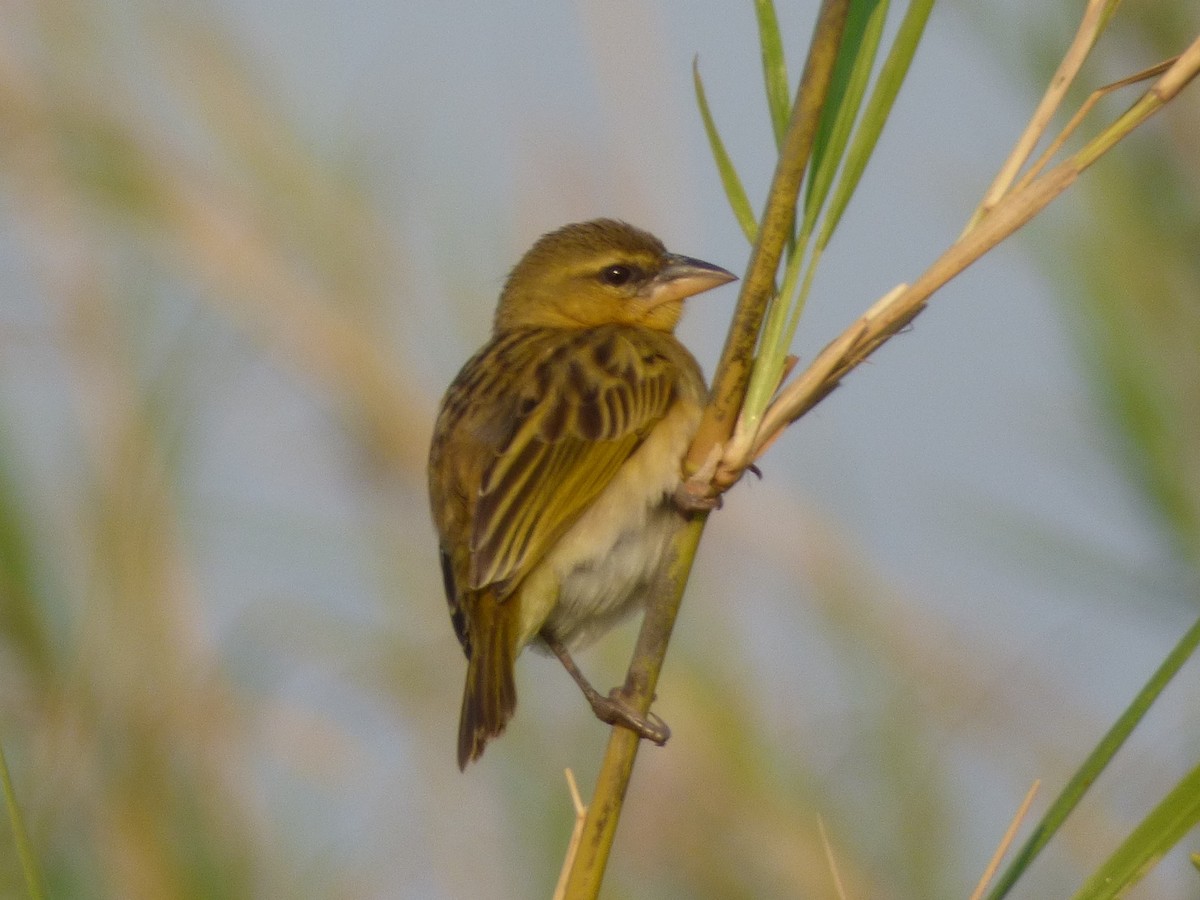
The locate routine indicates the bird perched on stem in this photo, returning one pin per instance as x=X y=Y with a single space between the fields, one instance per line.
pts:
x=556 y=457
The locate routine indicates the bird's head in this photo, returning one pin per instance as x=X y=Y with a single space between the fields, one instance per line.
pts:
x=602 y=272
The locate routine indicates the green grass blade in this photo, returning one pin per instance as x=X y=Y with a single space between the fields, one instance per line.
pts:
x=773 y=346
x=1096 y=761
x=851 y=75
x=734 y=190
x=848 y=82
x=1174 y=817
x=779 y=95
x=878 y=108
x=33 y=881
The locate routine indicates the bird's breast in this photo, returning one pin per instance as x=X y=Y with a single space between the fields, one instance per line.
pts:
x=603 y=567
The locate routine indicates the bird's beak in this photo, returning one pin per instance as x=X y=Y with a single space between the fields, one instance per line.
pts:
x=683 y=277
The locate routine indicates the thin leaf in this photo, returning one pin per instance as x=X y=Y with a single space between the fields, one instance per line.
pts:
x=1096 y=761
x=1174 y=817
x=775 y=77
x=851 y=75
x=734 y=191
x=851 y=70
x=879 y=107
x=772 y=347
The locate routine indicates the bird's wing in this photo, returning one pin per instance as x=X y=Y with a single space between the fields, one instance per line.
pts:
x=582 y=410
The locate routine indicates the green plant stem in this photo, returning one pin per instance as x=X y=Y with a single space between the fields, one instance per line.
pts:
x=604 y=812
x=33 y=881
x=1096 y=762
x=775 y=230
x=600 y=824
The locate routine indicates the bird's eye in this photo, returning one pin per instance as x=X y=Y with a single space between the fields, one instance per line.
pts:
x=617 y=275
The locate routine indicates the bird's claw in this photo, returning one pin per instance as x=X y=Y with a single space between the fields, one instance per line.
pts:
x=695 y=493
x=692 y=497
x=615 y=710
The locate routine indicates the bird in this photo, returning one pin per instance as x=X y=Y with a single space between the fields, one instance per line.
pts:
x=556 y=456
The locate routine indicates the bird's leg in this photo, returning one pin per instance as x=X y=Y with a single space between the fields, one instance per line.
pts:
x=613 y=709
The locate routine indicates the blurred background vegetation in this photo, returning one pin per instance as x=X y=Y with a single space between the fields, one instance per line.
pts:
x=225 y=665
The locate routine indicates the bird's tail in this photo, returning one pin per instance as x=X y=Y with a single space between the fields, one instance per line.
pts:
x=490 y=696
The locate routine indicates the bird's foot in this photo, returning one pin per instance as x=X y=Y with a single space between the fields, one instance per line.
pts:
x=615 y=710
x=695 y=493
x=693 y=496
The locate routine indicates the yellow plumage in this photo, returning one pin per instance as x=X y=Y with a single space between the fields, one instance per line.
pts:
x=557 y=450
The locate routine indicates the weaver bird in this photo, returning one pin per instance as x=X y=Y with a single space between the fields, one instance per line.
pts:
x=556 y=456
